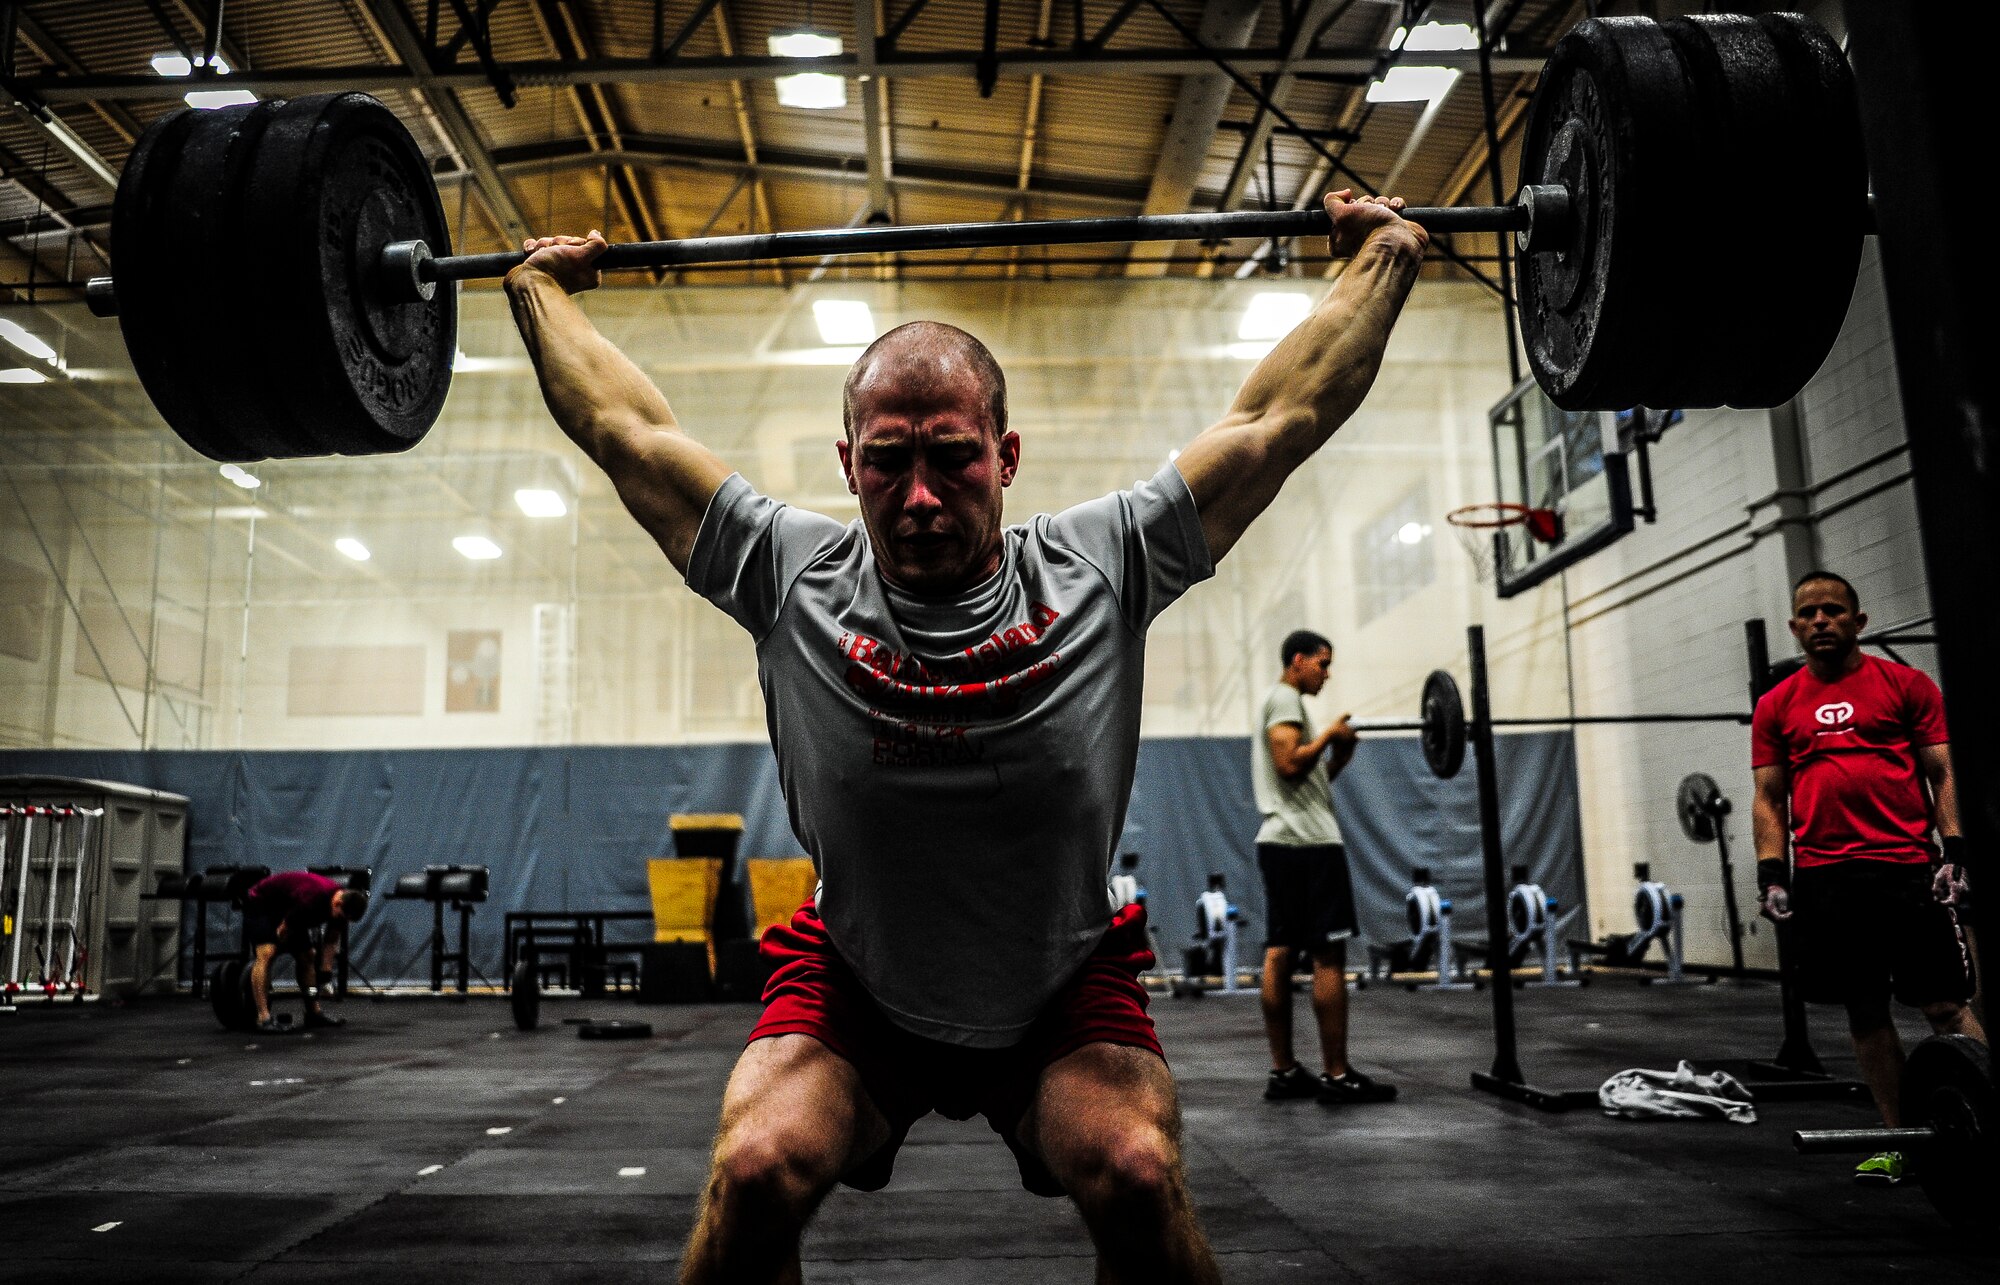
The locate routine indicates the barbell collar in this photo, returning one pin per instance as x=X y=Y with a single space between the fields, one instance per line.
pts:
x=100 y=295
x=981 y=236
x=403 y=271
x=1816 y=1142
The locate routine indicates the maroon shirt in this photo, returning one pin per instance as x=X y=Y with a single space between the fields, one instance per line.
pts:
x=297 y=898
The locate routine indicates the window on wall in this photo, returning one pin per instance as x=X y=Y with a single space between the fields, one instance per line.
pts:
x=1394 y=555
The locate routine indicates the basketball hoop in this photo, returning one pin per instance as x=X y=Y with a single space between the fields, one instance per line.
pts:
x=1475 y=524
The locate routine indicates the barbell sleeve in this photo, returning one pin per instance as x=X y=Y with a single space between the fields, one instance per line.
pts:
x=1817 y=1142
x=1539 y=212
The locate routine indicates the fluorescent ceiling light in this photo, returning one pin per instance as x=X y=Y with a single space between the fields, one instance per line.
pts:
x=352 y=547
x=1273 y=313
x=33 y=345
x=238 y=513
x=178 y=65
x=805 y=44
x=1435 y=35
x=844 y=321
x=16 y=375
x=207 y=100
x=539 y=503
x=812 y=90
x=476 y=547
x=236 y=474
x=1412 y=532
x=1413 y=85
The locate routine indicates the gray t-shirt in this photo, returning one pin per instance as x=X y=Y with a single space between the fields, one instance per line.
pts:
x=1297 y=814
x=958 y=768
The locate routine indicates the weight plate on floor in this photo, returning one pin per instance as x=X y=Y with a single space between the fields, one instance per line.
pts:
x=152 y=284
x=525 y=995
x=228 y=996
x=1948 y=1085
x=1609 y=121
x=614 y=1029
x=337 y=177
x=1443 y=716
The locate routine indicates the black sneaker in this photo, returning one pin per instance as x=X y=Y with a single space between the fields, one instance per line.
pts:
x=1353 y=1088
x=1295 y=1083
x=272 y=1026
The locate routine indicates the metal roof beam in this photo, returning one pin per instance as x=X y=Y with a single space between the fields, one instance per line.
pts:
x=1280 y=90
x=721 y=158
x=1198 y=110
x=875 y=117
x=452 y=119
x=746 y=67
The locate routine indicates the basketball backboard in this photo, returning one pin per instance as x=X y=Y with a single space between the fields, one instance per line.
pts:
x=1569 y=462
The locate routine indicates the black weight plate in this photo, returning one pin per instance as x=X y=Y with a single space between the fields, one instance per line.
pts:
x=227 y=996
x=1820 y=168
x=1948 y=1085
x=525 y=995
x=1609 y=121
x=338 y=177
x=152 y=283
x=218 y=327
x=1443 y=732
x=614 y=1029
x=1740 y=119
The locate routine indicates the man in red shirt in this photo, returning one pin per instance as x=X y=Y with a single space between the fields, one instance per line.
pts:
x=1853 y=749
x=283 y=910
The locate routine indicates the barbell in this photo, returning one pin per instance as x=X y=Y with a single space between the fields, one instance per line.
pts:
x=1951 y=1113
x=285 y=288
x=1442 y=727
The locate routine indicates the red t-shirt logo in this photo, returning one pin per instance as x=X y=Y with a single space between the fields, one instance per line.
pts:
x=1835 y=713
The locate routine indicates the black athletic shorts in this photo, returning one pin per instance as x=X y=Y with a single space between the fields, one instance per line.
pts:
x=262 y=930
x=1308 y=896
x=1865 y=930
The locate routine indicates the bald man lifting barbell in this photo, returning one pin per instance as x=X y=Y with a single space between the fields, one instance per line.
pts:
x=955 y=709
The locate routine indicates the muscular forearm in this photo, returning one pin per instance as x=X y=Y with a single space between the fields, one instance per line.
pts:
x=1317 y=375
x=594 y=391
x=1767 y=824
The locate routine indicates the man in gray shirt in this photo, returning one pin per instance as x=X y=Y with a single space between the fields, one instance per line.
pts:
x=1308 y=896
x=955 y=708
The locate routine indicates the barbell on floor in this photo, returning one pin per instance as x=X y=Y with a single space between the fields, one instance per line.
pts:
x=1442 y=726
x=1951 y=1109
x=284 y=282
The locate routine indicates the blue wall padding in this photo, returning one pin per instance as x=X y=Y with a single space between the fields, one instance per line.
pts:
x=571 y=827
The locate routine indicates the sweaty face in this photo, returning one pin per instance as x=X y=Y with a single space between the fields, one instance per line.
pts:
x=1311 y=671
x=1825 y=621
x=929 y=469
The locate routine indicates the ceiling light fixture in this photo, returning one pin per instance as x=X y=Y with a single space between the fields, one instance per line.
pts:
x=844 y=321
x=1433 y=36
x=812 y=90
x=236 y=473
x=1413 y=85
x=537 y=502
x=26 y=340
x=18 y=375
x=476 y=547
x=353 y=548
x=1273 y=313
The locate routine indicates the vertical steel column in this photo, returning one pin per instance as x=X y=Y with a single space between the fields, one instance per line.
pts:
x=1506 y=1062
x=1922 y=89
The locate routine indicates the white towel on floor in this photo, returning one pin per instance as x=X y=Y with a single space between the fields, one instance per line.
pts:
x=1680 y=1094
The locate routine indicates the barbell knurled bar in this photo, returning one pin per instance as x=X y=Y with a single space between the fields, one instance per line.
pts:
x=1537 y=218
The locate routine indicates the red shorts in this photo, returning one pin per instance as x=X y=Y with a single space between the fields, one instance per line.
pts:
x=813 y=992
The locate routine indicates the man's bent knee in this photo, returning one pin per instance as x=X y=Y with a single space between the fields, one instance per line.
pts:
x=760 y=1170
x=1131 y=1169
x=1947 y=1017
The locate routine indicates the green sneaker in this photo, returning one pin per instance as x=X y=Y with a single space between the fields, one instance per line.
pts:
x=1883 y=1169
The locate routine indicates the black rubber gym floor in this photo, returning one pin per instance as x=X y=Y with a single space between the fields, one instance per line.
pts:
x=145 y=1143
